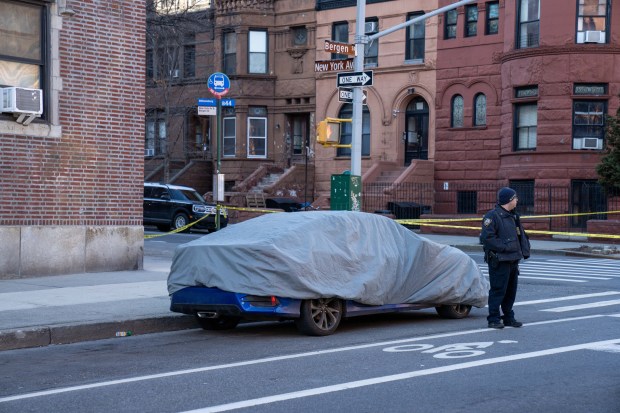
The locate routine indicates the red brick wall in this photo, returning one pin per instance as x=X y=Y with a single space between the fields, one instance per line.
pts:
x=93 y=173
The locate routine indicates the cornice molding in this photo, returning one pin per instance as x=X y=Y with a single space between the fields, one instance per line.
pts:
x=555 y=50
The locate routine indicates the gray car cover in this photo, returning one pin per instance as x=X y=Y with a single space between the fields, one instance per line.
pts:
x=357 y=256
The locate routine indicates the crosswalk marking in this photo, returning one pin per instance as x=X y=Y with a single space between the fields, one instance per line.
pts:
x=568 y=297
x=583 y=306
x=572 y=271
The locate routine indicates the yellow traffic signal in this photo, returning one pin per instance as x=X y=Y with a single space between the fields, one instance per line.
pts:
x=328 y=132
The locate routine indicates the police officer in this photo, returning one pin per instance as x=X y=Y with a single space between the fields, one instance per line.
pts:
x=505 y=243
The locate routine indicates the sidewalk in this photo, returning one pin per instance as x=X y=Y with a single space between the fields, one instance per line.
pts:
x=64 y=309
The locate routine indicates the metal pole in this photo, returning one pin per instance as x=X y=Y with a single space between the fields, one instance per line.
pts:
x=358 y=66
x=216 y=191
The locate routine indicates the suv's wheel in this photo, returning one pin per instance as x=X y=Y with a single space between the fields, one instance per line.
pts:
x=180 y=220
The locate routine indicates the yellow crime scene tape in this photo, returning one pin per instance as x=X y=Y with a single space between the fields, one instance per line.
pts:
x=430 y=222
x=185 y=227
x=434 y=223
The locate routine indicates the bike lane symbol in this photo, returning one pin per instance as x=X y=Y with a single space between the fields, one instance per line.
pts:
x=448 y=351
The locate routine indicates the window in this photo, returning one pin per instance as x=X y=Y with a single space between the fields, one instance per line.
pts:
x=150 y=69
x=189 y=58
x=589 y=124
x=155 y=138
x=492 y=22
x=340 y=33
x=22 y=49
x=529 y=23
x=229 y=136
x=526 y=122
x=298 y=136
x=300 y=35
x=257 y=132
x=257 y=61
x=466 y=202
x=371 y=51
x=346 y=132
x=198 y=133
x=415 y=39
x=471 y=20
x=450 y=26
x=456 y=118
x=229 y=65
x=525 y=193
x=480 y=110
x=592 y=21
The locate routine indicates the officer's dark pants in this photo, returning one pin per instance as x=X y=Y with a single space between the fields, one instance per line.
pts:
x=503 y=290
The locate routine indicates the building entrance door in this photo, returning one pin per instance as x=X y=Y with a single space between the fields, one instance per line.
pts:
x=297 y=137
x=416 y=130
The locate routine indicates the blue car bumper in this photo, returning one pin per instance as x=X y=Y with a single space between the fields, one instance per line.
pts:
x=194 y=300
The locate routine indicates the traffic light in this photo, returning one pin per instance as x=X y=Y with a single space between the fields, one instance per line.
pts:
x=328 y=132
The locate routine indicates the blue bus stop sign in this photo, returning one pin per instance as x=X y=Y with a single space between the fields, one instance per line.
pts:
x=219 y=84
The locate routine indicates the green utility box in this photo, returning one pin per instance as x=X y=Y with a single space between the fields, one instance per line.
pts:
x=346 y=193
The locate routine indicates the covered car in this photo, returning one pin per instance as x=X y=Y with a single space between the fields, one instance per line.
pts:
x=318 y=267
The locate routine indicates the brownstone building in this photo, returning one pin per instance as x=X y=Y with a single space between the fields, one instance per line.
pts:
x=267 y=50
x=523 y=88
x=71 y=136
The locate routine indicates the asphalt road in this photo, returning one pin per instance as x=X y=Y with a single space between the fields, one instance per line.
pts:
x=565 y=359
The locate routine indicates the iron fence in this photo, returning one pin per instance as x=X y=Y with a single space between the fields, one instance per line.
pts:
x=410 y=200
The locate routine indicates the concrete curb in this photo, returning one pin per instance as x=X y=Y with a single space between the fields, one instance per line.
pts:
x=74 y=333
x=535 y=251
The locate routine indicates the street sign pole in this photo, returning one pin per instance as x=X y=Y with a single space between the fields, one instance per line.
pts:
x=218 y=166
x=358 y=64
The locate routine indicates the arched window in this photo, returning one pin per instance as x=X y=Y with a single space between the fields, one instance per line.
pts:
x=346 y=112
x=456 y=120
x=480 y=108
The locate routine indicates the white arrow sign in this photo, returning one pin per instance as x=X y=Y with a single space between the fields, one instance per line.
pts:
x=355 y=78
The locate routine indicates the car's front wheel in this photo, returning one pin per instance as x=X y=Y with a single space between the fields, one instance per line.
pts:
x=453 y=311
x=180 y=220
x=320 y=317
x=220 y=323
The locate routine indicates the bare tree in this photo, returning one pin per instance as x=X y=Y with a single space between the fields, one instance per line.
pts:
x=173 y=32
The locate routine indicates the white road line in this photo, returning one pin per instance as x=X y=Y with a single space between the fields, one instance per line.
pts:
x=568 y=297
x=583 y=306
x=268 y=360
x=552 y=279
x=550 y=274
x=402 y=376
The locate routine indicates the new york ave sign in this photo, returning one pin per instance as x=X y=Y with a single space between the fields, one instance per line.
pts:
x=355 y=79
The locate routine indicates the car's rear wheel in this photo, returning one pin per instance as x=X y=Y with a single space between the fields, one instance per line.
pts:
x=220 y=323
x=453 y=311
x=320 y=317
x=180 y=220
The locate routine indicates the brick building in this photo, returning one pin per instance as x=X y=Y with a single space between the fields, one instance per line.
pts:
x=71 y=179
x=523 y=88
x=267 y=50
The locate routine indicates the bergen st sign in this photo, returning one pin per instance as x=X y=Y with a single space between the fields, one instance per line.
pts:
x=339 y=48
x=355 y=79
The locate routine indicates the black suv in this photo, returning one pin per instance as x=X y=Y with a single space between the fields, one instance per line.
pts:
x=172 y=206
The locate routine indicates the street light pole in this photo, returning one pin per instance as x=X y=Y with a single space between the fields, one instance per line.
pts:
x=358 y=66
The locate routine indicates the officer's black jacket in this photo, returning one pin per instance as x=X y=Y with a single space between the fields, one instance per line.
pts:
x=499 y=234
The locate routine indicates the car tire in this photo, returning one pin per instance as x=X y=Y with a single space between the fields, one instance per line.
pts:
x=455 y=311
x=220 y=323
x=180 y=220
x=320 y=317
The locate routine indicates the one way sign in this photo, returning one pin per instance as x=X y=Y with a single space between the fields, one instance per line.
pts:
x=355 y=78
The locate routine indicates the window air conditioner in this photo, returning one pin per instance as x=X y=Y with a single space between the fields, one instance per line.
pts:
x=594 y=37
x=174 y=73
x=371 y=27
x=149 y=152
x=21 y=100
x=588 y=143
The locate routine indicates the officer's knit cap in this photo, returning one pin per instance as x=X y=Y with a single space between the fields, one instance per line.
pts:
x=505 y=195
